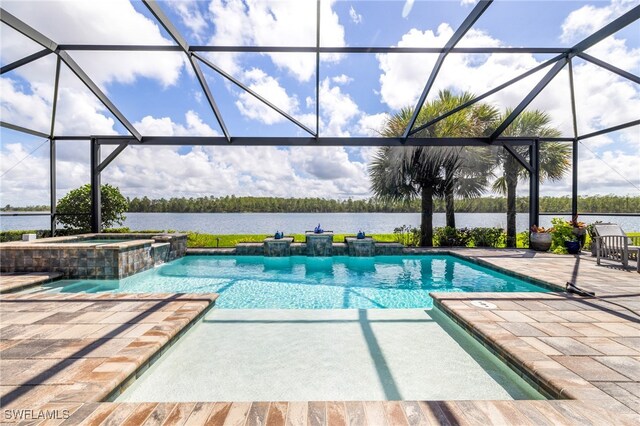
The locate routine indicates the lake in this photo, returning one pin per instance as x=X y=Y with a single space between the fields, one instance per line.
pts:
x=268 y=223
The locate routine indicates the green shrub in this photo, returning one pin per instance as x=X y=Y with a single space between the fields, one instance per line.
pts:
x=562 y=231
x=450 y=237
x=8 y=236
x=487 y=237
x=407 y=235
x=522 y=239
x=78 y=201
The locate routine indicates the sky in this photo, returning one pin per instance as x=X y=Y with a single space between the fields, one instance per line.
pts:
x=159 y=94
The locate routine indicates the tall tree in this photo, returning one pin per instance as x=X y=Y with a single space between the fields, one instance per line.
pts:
x=554 y=160
x=404 y=173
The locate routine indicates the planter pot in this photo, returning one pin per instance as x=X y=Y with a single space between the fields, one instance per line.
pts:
x=581 y=235
x=573 y=247
x=540 y=241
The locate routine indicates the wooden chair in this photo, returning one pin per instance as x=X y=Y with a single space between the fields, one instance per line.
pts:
x=613 y=244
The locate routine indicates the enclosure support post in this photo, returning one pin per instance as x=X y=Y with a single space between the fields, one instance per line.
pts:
x=52 y=184
x=96 y=211
x=574 y=180
x=534 y=184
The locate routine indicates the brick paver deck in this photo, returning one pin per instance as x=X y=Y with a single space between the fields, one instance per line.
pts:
x=67 y=352
x=15 y=281
x=77 y=348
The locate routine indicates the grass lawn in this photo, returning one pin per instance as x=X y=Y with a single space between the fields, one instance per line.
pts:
x=230 y=240
x=226 y=240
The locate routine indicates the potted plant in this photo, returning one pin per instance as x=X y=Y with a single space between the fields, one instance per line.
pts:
x=540 y=238
x=563 y=239
x=579 y=230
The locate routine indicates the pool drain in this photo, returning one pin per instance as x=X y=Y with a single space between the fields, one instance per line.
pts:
x=483 y=304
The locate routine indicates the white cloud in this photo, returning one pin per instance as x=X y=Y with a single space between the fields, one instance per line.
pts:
x=113 y=22
x=584 y=21
x=274 y=23
x=30 y=110
x=406 y=9
x=79 y=112
x=269 y=88
x=337 y=108
x=309 y=172
x=372 y=125
x=403 y=76
x=356 y=18
x=194 y=126
x=191 y=16
x=342 y=79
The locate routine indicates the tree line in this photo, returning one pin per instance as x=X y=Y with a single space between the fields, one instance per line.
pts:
x=233 y=204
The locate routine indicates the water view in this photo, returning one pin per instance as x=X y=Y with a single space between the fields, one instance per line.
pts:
x=267 y=223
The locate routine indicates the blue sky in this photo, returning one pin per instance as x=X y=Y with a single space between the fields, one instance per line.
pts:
x=159 y=94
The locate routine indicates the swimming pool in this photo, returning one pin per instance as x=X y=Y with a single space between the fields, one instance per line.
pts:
x=341 y=282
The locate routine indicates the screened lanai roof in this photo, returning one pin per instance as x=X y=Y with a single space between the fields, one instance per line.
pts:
x=311 y=72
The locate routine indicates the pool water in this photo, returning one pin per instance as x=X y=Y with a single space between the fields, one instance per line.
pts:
x=339 y=282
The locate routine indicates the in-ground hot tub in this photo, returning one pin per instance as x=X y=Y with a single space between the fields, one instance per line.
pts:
x=93 y=256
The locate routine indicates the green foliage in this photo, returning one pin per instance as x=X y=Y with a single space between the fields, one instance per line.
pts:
x=407 y=235
x=487 y=237
x=522 y=240
x=562 y=231
x=8 y=236
x=79 y=201
x=450 y=237
x=195 y=239
x=231 y=204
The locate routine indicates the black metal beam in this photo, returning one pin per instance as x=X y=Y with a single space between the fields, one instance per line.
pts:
x=52 y=185
x=609 y=130
x=574 y=179
x=304 y=141
x=23 y=130
x=609 y=29
x=317 y=68
x=572 y=94
x=43 y=40
x=534 y=184
x=54 y=107
x=52 y=150
x=93 y=87
x=519 y=158
x=486 y=94
x=155 y=9
x=166 y=23
x=111 y=157
x=528 y=99
x=25 y=61
x=96 y=208
x=210 y=99
x=466 y=25
x=574 y=150
x=252 y=93
x=312 y=49
x=27 y=30
x=609 y=67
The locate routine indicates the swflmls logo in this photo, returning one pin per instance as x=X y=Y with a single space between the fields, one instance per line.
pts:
x=28 y=414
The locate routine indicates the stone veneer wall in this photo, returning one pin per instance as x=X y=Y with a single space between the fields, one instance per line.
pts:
x=109 y=261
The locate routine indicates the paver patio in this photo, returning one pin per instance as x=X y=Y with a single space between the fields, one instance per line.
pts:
x=67 y=352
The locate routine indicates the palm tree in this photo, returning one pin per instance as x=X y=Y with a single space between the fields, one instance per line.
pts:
x=554 y=160
x=404 y=173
